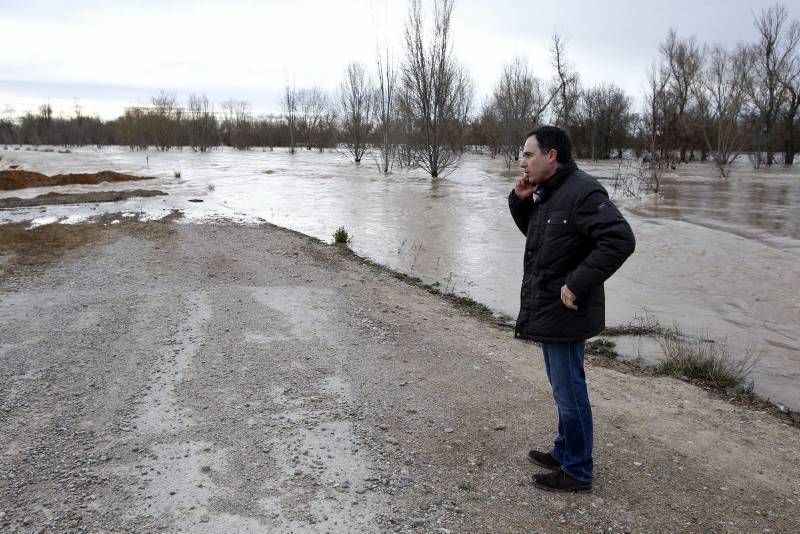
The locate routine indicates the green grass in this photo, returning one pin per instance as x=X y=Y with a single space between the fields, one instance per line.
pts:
x=602 y=347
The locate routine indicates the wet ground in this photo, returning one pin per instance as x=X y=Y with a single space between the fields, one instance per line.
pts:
x=720 y=258
x=166 y=377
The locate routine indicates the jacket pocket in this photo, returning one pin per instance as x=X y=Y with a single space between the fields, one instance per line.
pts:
x=557 y=221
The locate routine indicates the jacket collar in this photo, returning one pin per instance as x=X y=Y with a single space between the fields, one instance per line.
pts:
x=555 y=181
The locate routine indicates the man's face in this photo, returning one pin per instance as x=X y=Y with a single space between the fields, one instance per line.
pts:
x=537 y=166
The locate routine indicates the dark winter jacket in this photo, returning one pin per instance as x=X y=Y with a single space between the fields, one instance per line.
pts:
x=575 y=235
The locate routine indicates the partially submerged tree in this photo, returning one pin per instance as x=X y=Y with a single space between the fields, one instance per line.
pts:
x=164 y=120
x=385 y=106
x=772 y=62
x=519 y=103
x=202 y=127
x=489 y=130
x=289 y=106
x=356 y=98
x=268 y=132
x=311 y=105
x=328 y=128
x=238 y=124
x=791 y=86
x=723 y=97
x=656 y=110
x=436 y=91
x=604 y=121
x=684 y=59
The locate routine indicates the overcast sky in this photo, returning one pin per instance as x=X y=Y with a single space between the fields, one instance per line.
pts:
x=109 y=55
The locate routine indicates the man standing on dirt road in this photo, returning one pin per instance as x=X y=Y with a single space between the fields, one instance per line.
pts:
x=575 y=240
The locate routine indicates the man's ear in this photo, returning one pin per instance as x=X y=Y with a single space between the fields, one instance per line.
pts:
x=552 y=155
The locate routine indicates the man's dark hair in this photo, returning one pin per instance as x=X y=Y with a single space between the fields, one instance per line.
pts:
x=553 y=137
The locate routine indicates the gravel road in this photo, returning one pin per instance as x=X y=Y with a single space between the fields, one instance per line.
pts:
x=218 y=378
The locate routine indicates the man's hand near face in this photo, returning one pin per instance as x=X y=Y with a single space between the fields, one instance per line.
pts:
x=523 y=188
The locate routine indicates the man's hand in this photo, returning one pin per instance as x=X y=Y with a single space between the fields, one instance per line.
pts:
x=523 y=188
x=568 y=298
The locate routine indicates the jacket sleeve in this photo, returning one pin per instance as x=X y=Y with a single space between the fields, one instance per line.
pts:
x=520 y=211
x=611 y=238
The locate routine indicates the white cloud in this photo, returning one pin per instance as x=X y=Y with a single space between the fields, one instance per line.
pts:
x=251 y=50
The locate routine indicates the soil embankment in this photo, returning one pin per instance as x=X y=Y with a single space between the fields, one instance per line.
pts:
x=164 y=377
x=50 y=199
x=20 y=179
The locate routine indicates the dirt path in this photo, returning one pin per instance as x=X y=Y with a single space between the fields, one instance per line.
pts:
x=175 y=377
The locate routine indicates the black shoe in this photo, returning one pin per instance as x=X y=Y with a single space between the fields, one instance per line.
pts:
x=560 y=481
x=543 y=459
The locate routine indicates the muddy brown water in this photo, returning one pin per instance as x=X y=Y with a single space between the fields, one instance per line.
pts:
x=718 y=257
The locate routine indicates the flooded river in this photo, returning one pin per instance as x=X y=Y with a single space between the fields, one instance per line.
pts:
x=721 y=257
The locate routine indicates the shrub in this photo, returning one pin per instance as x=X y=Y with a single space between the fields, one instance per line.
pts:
x=704 y=360
x=177 y=174
x=602 y=347
x=340 y=236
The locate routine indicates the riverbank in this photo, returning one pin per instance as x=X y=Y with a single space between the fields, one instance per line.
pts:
x=212 y=378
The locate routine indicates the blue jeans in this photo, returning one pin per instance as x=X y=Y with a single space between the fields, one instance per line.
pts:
x=573 y=445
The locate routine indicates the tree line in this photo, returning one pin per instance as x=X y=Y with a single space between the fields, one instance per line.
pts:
x=703 y=102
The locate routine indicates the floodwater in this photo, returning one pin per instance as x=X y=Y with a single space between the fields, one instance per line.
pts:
x=720 y=258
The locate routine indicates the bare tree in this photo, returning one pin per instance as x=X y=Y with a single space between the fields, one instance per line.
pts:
x=356 y=97
x=723 y=97
x=684 y=59
x=203 y=127
x=8 y=130
x=773 y=54
x=267 y=132
x=238 y=124
x=289 y=106
x=385 y=105
x=566 y=84
x=656 y=160
x=490 y=128
x=791 y=86
x=656 y=109
x=131 y=129
x=327 y=127
x=164 y=119
x=519 y=103
x=605 y=120
x=312 y=104
x=436 y=91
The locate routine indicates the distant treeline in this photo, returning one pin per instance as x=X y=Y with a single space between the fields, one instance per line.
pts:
x=703 y=102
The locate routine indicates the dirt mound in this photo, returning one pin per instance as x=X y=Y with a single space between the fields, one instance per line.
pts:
x=49 y=199
x=19 y=179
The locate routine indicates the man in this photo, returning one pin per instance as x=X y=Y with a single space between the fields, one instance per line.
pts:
x=576 y=239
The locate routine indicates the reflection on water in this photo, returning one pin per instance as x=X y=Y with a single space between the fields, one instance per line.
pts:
x=719 y=255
